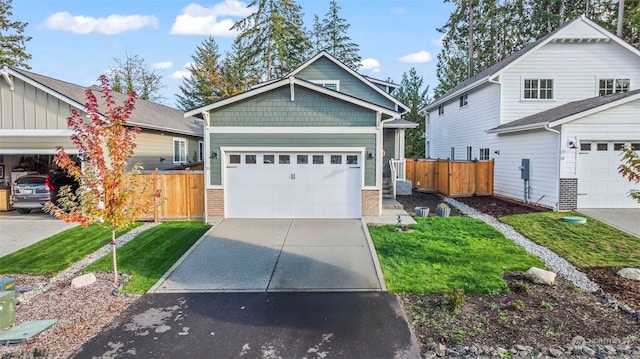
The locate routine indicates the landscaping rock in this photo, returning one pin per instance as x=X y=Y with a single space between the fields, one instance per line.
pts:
x=630 y=273
x=83 y=280
x=541 y=276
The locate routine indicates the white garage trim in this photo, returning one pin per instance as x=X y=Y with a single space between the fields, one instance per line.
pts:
x=35 y=152
x=60 y=133
x=237 y=129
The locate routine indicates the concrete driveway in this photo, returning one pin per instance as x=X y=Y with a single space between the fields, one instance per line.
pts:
x=257 y=255
x=22 y=230
x=624 y=219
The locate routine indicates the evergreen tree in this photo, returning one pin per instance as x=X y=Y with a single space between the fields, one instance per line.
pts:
x=13 y=50
x=317 y=37
x=337 y=43
x=133 y=75
x=273 y=38
x=413 y=95
x=606 y=16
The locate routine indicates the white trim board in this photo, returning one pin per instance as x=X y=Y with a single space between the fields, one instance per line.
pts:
x=20 y=133
x=332 y=130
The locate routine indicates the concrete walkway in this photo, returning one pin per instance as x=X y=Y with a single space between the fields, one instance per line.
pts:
x=257 y=255
x=624 y=219
x=22 y=230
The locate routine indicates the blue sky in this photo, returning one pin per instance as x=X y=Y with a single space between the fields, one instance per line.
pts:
x=77 y=40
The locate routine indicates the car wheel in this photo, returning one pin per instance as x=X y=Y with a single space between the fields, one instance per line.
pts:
x=24 y=210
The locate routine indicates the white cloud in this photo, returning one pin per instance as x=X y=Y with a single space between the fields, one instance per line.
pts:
x=419 y=57
x=111 y=25
x=163 y=65
x=372 y=65
x=438 y=41
x=198 y=20
x=183 y=73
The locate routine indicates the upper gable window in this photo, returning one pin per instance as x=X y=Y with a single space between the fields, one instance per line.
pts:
x=538 y=89
x=464 y=100
x=609 y=86
x=330 y=84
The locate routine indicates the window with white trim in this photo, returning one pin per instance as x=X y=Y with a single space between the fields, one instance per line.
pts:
x=469 y=153
x=483 y=154
x=464 y=100
x=609 y=86
x=453 y=153
x=200 y=151
x=441 y=110
x=179 y=150
x=538 y=89
x=330 y=84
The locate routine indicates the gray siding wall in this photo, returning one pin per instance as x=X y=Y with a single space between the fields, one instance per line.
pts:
x=324 y=69
x=275 y=108
x=151 y=146
x=27 y=108
x=294 y=140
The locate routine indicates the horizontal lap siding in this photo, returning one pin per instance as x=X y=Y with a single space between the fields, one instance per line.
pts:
x=46 y=144
x=29 y=108
x=293 y=140
x=275 y=109
x=324 y=69
x=575 y=69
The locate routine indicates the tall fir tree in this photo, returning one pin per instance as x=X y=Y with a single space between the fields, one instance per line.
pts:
x=412 y=94
x=336 y=41
x=13 y=50
x=273 y=38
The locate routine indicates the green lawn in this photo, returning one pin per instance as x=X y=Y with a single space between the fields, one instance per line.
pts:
x=58 y=252
x=442 y=254
x=151 y=253
x=592 y=244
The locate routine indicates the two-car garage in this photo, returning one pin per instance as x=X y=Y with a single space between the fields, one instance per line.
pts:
x=293 y=184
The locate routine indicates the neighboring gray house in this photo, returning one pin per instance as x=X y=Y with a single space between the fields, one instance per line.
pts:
x=553 y=116
x=308 y=145
x=33 y=113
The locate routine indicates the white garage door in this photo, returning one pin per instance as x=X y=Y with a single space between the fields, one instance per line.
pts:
x=293 y=185
x=599 y=183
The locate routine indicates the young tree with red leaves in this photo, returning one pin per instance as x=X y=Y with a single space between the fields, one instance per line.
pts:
x=630 y=168
x=109 y=192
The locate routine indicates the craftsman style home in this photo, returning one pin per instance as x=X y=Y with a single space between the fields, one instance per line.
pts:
x=313 y=144
x=553 y=116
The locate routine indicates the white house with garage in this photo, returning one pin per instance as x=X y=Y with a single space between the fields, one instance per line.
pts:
x=553 y=116
x=309 y=145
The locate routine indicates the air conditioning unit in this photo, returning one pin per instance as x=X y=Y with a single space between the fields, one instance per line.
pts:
x=7 y=309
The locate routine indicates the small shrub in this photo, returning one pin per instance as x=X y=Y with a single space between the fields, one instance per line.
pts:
x=454 y=299
x=443 y=205
x=546 y=305
x=516 y=305
x=522 y=286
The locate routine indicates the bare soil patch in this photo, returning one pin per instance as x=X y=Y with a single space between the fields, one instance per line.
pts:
x=551 y=316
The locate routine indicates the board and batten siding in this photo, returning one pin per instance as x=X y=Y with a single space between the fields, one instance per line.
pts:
x=275 y=109
x=460 y=127
x=575 y=69
x=324 y=69
x=367 y=141
x=29 y=108
x=619 y=124
x=541 y=148
x=151 y=146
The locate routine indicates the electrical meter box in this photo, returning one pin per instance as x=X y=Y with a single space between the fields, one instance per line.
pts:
x=524 y=168
x=9 y=285
x=7 y=309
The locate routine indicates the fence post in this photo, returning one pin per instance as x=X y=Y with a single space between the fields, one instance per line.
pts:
x=155 y=190
x=188 y=174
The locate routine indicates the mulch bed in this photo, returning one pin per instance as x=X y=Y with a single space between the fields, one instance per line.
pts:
x=552 y=316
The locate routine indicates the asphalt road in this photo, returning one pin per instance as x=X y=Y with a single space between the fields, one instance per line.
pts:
x=257 y=325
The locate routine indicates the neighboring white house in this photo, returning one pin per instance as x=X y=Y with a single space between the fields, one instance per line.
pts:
x=553 y=116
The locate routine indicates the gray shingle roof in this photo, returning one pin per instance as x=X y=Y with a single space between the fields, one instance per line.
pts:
x=564 y=111
x=147 y=114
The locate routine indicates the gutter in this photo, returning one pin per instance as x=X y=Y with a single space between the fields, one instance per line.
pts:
x=547 y=128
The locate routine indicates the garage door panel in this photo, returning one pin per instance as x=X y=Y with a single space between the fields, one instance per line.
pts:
x=309 y=186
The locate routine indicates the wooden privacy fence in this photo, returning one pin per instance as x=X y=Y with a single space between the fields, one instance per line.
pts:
x=182 y=191
x=452 y=178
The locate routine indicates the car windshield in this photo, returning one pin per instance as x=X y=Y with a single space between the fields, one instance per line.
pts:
x=30 y=180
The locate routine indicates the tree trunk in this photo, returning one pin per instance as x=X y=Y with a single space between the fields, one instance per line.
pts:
x=620 y=18
x=115 y=264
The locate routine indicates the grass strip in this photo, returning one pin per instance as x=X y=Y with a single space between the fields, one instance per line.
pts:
x=592 y=244
x=56 y=253
x=148 y=256
x=442 y=254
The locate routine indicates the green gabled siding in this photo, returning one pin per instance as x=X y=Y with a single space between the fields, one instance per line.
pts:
x=275 y=108
x=294 y=140
x=324 y=69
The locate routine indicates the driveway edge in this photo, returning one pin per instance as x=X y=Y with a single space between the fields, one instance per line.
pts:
x=374 y=256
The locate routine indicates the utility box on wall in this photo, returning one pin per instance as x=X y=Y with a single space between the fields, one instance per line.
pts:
x=524 y=169
x=7 y=309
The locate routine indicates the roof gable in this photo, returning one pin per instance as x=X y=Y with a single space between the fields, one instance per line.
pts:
x=578 y=30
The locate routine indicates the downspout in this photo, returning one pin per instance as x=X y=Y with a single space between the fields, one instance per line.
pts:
x=546 y=127
x=207 y=163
